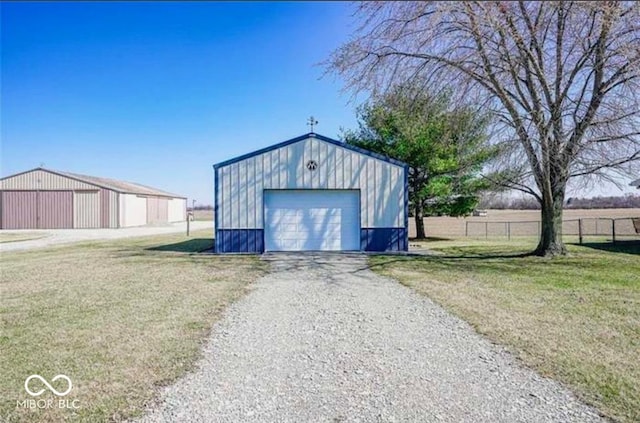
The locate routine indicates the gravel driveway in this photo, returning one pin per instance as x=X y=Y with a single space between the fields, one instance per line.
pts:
x=66 y=236
x=324 y=339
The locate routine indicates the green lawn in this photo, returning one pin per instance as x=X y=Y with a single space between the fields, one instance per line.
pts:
x=120 y=318
x=576 y=319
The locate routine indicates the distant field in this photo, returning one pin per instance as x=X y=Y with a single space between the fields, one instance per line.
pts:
x=455 y=227
x=203 y=215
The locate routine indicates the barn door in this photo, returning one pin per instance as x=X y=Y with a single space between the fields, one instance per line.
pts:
x=19 y=210
x=55 y=210
x=312 y=220
x=157 y=210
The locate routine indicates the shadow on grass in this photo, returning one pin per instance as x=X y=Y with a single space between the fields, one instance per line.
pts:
x=429 y=238
x=196 y=245
x=458 y=260
x=625 y=246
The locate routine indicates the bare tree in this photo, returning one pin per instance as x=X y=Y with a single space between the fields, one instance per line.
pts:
x=561 y=77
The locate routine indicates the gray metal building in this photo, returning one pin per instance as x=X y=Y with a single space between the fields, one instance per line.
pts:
x=311 y=193
x=50 y=199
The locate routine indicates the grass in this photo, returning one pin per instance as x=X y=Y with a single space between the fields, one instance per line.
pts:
x=20 y=236
x=120 y=318
x=576 y=318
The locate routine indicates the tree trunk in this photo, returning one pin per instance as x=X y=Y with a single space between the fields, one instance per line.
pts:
x=419 y=216
x=551 y=244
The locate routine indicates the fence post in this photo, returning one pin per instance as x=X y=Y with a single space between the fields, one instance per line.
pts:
x=509 y=230
x=188 y=220
x=580 y=231
x=466 y=228
x=597 y=231
x=486 y=230
x=613 y=229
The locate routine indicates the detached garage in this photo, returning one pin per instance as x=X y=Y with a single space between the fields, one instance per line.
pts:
x=311 y=193
x=47 y=199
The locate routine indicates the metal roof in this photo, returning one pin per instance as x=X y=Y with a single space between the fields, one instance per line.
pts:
x=316 y=136
x=107 y=183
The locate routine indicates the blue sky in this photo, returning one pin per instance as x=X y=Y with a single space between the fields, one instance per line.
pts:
x=156 y=92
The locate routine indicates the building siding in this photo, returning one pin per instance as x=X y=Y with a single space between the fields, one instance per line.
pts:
x=163 y=210
x=157 y=210
x=133 y=210
x=240 y=185
x=104 y=208
x=55 y=209
x=86 y=209
x=43 y=180
x=114 y=209
x=109 y=209
x=152 y=209
x=383 y=239
x=19 y=209
x=240 y=241
x=177 y=210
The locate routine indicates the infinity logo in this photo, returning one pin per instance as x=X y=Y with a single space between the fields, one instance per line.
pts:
x=51 y=388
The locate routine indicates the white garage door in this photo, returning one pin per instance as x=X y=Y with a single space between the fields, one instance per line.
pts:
x=312 y=220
